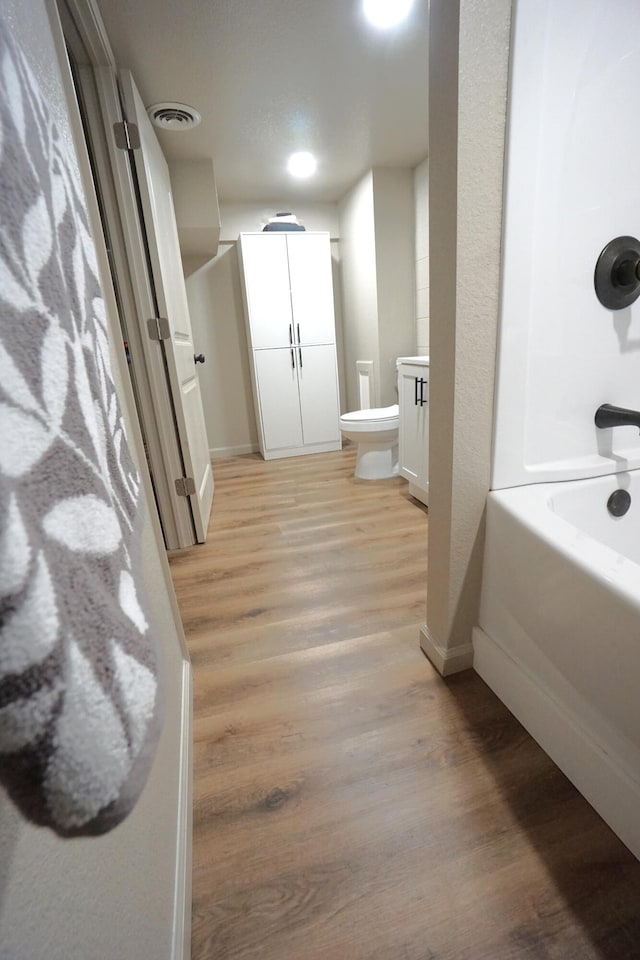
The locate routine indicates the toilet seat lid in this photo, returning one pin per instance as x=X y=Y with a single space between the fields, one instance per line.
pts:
x=378 y=414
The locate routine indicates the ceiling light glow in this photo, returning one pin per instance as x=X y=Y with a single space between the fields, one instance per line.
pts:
x=302 y=165
x=386 y=13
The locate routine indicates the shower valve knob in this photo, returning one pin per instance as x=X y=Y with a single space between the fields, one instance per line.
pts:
x=617 y=274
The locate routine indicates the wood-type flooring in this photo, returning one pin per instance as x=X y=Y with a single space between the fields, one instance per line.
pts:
x=349 y=804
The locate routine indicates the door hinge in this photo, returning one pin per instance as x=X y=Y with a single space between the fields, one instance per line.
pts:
x=185 y=486
x=127 y=135
x=158 y=328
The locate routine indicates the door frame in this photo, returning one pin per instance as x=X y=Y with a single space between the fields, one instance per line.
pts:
x=98 y=81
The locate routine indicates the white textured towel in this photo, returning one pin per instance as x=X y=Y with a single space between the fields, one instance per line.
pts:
x=78 y=677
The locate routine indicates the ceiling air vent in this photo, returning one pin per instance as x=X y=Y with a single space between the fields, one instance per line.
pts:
x=173 y=116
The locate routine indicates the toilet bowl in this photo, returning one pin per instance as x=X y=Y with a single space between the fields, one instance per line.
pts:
x=375 y=432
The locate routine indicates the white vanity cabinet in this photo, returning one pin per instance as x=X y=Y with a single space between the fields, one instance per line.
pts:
x=413 y=399
x=288 y=289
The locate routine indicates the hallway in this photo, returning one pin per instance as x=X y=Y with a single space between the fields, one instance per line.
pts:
x=349 y=804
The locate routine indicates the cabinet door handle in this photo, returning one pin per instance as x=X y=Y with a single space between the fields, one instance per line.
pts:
x=293 y=359
x=290 y=334
x=298 y=329
x=422 y=399
x=300 y=355
x=415 y=392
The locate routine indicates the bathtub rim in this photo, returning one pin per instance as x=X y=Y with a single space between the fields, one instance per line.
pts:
x=531 y=507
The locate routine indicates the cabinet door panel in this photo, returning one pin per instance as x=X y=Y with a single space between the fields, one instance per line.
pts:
x=311 y=287
x=318 y=393
x=266 y=274
x=278 y=396
x=414 y=424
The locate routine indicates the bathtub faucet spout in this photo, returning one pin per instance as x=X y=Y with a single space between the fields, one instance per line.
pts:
x=610 y=416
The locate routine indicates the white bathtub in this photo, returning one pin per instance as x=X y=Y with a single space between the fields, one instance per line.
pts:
x=559 y=632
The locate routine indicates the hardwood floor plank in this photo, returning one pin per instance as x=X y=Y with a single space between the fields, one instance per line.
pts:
x=349 y=804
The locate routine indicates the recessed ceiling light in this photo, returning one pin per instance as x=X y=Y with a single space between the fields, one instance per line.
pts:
x=386 y=13
x=302 y=165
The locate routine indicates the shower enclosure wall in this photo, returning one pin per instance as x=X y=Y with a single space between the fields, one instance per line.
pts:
x=561 y=585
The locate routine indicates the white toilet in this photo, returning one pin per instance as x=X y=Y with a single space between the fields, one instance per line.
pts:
x=375 y=432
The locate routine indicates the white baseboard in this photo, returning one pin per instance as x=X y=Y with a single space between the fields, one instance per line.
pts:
x=283 y=453
x=181 y=946
x=420 y=493
x=446 y=660
x=237 y=451
x=578 y=750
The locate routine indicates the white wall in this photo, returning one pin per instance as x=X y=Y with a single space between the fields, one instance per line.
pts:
x=215 y=304
x=113 y=895
x=468 y=71
x=572 y=186
x=378 y=278
x=197 y=212
x=359 y=290
x=421 y=196
x=395 y=272
x=217 y=315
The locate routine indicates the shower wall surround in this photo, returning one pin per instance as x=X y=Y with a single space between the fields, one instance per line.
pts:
x=572 y=185
x=558 y=625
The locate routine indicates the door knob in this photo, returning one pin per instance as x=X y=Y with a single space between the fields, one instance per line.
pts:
x=198 y=358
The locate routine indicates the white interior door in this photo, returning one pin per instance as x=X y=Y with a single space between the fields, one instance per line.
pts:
x=164 y=252
x=266 y=271
x=318 y=379
x=311 y=287
x=278 y=396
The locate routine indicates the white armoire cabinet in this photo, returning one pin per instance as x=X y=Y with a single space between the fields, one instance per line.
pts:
x=288 y=287
x=413 y=440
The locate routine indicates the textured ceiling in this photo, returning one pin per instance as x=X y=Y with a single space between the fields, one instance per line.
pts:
x=274 y=76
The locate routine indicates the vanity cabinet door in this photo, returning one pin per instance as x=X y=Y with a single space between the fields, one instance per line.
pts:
x=413 y=393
